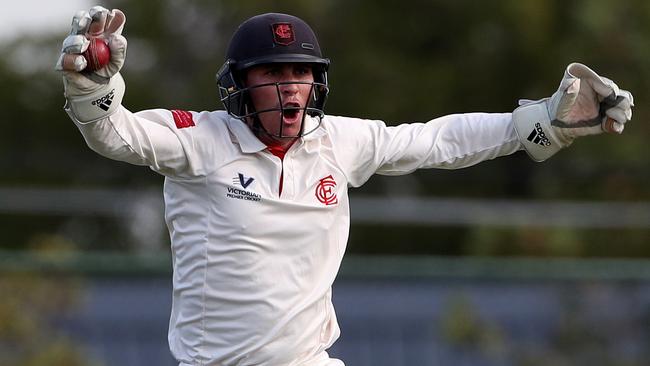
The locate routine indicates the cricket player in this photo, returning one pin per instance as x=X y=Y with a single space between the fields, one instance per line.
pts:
x=256 y=195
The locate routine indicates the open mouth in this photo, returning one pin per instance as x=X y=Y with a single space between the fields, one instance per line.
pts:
x=291 y=112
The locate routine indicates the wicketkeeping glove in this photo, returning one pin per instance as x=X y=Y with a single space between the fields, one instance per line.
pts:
x=92 y=95
x=584 y=104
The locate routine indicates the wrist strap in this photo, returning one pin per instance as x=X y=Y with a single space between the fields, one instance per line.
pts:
x=98 y=105
x=533 y=127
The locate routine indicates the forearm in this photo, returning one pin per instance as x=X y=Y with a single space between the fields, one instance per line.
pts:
x=451 y=142
x=127 y=137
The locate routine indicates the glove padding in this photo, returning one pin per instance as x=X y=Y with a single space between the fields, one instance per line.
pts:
x=88 y=92
x=584 y=104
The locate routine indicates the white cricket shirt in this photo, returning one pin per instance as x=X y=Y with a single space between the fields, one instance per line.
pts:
x=253 y=267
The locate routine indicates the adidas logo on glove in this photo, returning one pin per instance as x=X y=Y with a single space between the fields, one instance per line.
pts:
x=538 y=136
x=105 y=102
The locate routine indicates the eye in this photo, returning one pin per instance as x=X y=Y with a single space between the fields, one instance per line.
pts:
x=268 y=71
x=273 y=71
x=302 y=70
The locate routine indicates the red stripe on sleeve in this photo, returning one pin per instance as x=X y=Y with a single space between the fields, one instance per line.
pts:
x=182 y=118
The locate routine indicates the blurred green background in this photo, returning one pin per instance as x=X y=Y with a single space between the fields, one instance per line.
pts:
x=402 y=62
x=396 y=61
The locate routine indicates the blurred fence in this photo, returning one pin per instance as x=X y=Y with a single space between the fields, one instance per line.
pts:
x=114 y=264
x=364 y=209
x=392 y=310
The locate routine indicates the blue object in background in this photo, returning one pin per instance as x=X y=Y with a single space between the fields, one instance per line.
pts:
x=406 y=321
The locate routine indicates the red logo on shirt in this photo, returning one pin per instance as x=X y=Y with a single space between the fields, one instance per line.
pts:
x=325 y=191
x=182 y=119
x=283 y=33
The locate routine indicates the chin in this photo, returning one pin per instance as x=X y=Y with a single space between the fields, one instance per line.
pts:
x=291 y=133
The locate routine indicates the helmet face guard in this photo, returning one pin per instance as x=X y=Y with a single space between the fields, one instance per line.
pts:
x=267 y=39
x=238 y=103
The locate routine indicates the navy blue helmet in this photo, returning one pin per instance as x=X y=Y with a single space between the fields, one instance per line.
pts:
x=267 y=39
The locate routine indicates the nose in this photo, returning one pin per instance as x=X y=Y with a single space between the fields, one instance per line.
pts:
x=289 y=89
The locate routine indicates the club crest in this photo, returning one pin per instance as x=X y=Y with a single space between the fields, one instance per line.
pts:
x=283 y=33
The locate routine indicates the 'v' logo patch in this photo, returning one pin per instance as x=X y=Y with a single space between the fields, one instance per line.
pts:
x=245 y=182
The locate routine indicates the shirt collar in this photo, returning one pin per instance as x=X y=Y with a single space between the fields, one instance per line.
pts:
x=249 y=143
x=310 y=124
x=243 y=135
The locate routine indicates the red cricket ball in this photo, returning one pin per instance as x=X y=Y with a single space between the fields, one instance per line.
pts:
x=98 y=54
